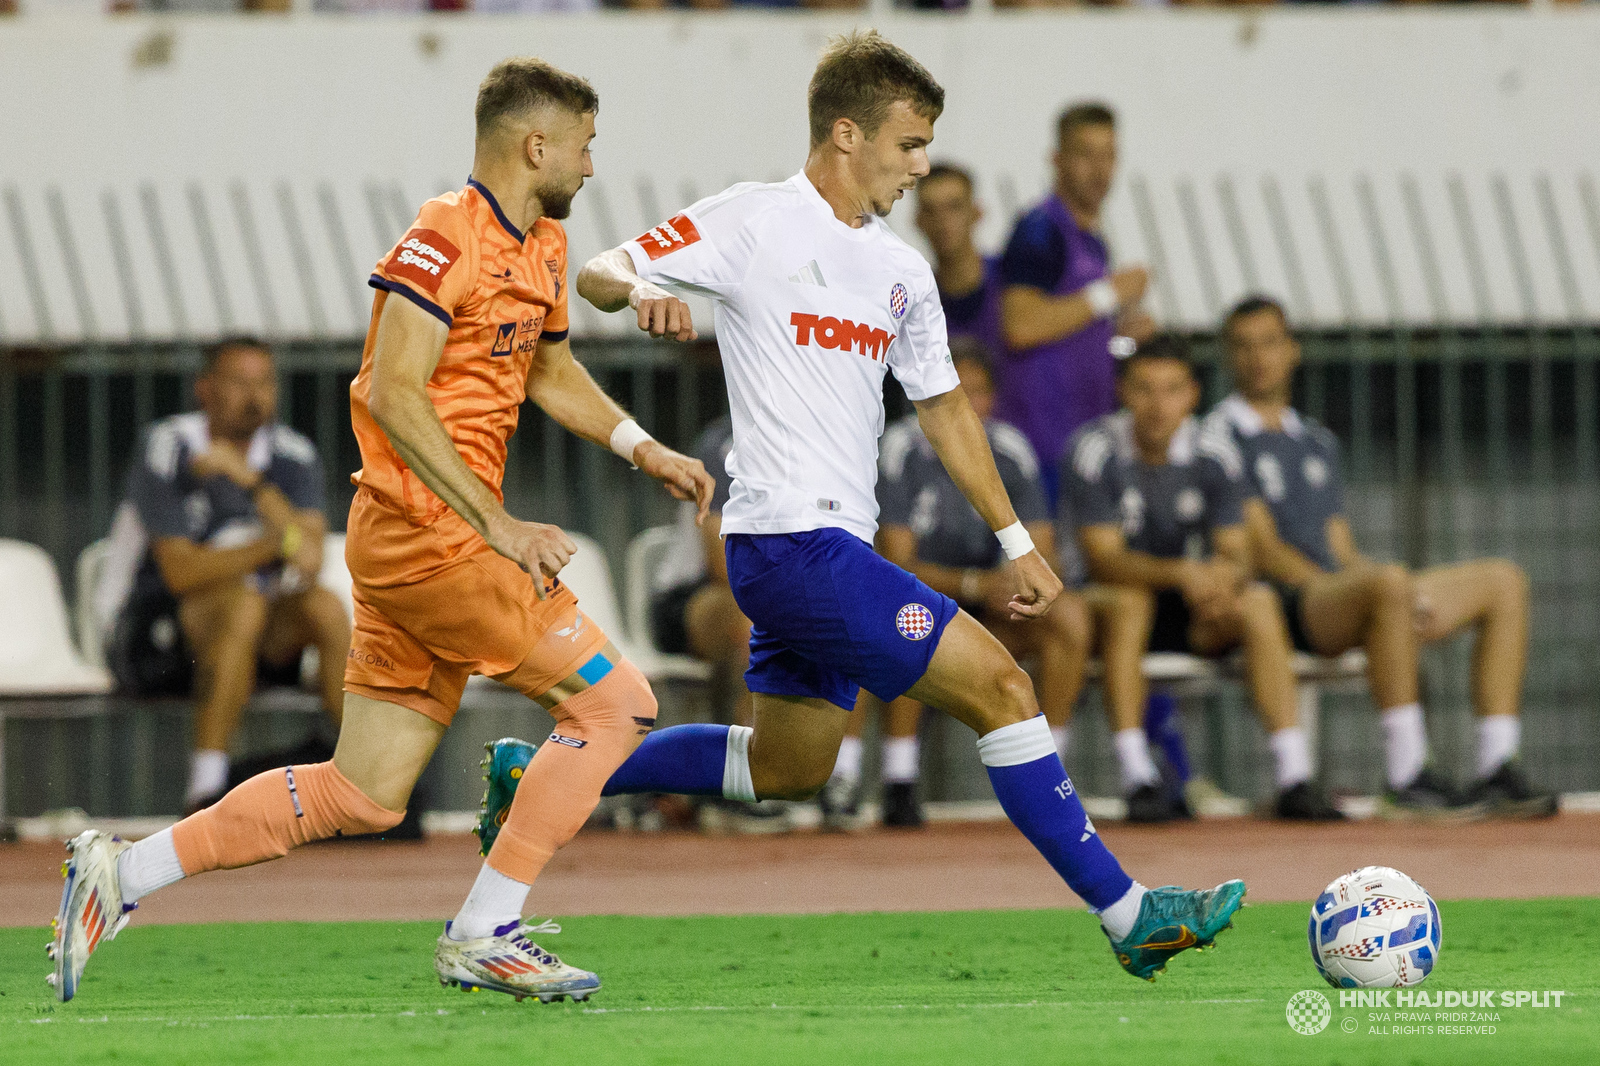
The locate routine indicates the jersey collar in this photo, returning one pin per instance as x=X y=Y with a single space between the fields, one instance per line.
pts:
x=494 y=205
x=1249 y=423
x=812 y=196
x=1180 y=449
x=194 y=429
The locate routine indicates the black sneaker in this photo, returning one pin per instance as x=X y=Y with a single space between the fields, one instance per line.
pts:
x=1427 y=796
x=1506 y=793
x=901 y=808
x=1306 y=802
x=1150 y=804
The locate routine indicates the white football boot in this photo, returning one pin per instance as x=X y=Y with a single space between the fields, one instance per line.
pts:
x=91 y=906
x=509 y=962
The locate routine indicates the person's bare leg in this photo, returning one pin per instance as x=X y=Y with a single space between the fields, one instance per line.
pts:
x=719 y=633
x=314 y=617
x=224 y=625
x=1256 y=622
x=1491 y=595
x=1371 y=608
x=383 y=748
x=1123 y=617
x=794 y=745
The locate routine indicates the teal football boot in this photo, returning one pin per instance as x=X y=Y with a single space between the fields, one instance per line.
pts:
x=504 y=761
x=1172 y=919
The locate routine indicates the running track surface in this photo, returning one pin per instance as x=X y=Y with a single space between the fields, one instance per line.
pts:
x=943 y=867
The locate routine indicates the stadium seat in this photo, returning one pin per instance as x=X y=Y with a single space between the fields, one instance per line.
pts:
x=37 y=656
x=645 y=553
x=335 y=576
x=87 y=575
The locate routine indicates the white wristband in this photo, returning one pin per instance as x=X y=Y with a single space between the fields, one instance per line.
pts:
x=626 y=437
x=1014 y=541
x=1102 y=298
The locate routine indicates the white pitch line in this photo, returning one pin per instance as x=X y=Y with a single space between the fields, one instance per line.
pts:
x=696 y=1009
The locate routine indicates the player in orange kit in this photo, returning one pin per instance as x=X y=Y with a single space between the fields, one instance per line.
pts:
x=470 y=318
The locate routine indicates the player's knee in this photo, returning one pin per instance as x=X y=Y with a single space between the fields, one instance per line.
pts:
x=1261 y=610
x=1509 y=581
x=620 y=706
x=1133 y=606
x=1393 y=584
x=1068 y=623
x=1009 y=698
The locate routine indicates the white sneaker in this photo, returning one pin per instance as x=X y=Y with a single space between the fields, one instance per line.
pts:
x=509 y=962
x=91 y=906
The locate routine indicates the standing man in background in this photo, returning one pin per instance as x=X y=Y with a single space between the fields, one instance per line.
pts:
x=969 y=283
x=1061 y=303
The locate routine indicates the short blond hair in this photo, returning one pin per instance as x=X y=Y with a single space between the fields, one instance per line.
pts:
x=860 y=77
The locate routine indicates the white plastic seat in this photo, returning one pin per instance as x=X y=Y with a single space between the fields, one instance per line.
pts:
x=645 y=553
x=88 y=573
x=37 y=656
x=335 y=576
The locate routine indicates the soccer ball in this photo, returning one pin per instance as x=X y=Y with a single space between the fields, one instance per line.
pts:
x=1374 y=928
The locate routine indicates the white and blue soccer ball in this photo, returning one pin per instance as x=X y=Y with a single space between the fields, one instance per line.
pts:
x=1374 y=928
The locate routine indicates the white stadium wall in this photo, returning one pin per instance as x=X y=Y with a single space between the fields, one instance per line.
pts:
x=176 y=177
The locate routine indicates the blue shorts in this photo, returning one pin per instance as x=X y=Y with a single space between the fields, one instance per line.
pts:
x=830 y=616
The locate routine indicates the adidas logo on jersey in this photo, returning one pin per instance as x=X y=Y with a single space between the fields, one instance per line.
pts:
x=829 y=332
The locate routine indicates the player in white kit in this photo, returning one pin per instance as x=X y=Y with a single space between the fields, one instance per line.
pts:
x=816 y=299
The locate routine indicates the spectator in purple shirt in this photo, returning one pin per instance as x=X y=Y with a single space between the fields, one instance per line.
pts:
x=969 y=283
x=1061 y=302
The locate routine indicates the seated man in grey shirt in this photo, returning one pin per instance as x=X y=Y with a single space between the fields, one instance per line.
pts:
x=926 y=526
x=1337 y=599
x=1158 y=506
x=222 y=530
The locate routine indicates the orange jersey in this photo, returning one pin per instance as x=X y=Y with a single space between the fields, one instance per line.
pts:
x=499 y=291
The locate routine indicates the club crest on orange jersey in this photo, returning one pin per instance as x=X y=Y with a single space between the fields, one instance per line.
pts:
x=504 y=339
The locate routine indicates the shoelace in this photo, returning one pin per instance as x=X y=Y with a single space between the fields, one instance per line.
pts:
x=547 y=926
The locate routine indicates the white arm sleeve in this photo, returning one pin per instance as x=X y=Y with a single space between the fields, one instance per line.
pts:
x=706 y=248
x=920 y=355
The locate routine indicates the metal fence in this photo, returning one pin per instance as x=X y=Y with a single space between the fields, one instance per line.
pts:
x=1458 y=444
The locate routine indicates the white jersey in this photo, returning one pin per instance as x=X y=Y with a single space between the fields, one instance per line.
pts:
x=810 y=313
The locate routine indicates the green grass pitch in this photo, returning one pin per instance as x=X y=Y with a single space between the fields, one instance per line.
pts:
x=976 y=987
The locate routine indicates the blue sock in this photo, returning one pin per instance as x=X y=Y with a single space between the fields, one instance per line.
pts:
x=1163 y=731
x=1039 y=799
x=689 y=760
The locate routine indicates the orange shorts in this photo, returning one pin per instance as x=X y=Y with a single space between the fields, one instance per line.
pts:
x=435 y=604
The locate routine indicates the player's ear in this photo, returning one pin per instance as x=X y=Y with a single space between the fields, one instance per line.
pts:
x=533 y=148
x=846 y=135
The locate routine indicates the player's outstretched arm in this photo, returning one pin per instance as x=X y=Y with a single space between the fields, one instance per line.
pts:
x=958 y=438
x=561 y=385
x=404 y=356
x=610 y=283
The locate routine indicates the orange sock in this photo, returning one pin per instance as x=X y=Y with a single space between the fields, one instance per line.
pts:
x=596 y=731
x=273 y=812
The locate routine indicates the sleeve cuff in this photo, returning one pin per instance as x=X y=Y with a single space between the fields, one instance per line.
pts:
x=379 y=282
x=554 y=336
x=641 y=262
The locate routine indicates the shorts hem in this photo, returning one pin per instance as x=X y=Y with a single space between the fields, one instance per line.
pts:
x=767 y=689
x=413 y=699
